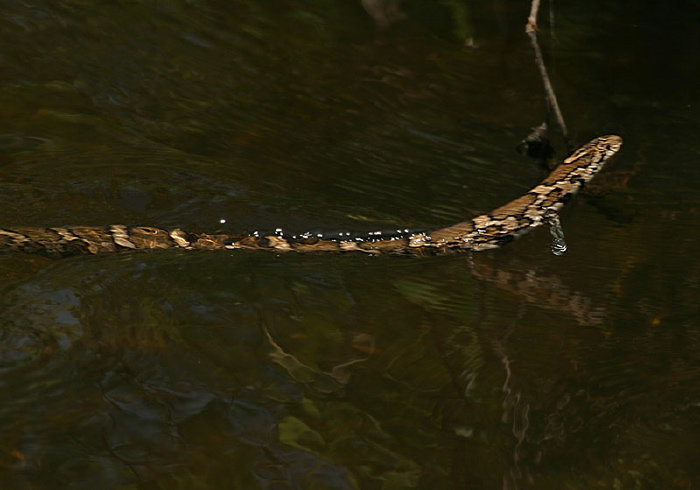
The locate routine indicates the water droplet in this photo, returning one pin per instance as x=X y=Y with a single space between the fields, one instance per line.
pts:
x=558 y=246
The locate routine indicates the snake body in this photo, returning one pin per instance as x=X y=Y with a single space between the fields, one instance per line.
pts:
x=487 y=231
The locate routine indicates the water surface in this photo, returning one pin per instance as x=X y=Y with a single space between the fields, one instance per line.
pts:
x=507 y=369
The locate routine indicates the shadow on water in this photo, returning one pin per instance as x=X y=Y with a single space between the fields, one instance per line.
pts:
x=506 y=369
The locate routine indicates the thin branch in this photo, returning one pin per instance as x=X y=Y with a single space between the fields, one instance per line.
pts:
x=532 y=19
x=531 y=30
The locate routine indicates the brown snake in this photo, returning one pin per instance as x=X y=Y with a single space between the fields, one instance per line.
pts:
x=492 y=230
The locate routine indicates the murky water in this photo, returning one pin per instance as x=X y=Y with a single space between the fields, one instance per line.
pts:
x=509 y=369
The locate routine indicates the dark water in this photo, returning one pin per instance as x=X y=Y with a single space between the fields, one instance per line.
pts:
x=508 y=369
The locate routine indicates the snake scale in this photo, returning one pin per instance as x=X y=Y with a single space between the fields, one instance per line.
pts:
x=491 y=230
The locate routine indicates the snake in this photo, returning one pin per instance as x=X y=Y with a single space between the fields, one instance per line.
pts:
x=537 y=207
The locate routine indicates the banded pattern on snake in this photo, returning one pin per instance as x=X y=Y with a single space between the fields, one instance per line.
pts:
x=487 y=231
